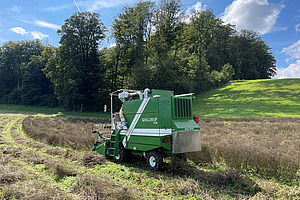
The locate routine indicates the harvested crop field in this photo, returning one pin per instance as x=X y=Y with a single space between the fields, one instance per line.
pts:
x=44 y=158
x=268 y=146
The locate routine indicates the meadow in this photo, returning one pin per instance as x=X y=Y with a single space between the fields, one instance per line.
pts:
x=250 y=150
x=255 y=98
x=50 y=156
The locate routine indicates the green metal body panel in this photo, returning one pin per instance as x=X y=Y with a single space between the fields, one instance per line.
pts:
x=157 y=120
x=131 y=107
x=101 y=149
x=184 y=124
x=152 y=123
x=146 y=143
x=149 y=116
x=114 y=143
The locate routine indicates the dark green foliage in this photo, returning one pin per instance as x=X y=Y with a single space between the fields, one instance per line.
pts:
x=76 y=70
x=131 y=30
x=255 y=61
x=162 y=48
x=37 y=89
x=166 y=52
x=22 y=81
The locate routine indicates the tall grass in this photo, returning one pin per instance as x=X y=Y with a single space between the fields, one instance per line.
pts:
x=65 y=132
x=267 y=146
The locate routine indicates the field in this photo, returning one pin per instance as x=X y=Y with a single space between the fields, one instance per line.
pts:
x=250 y=150
x=256 y=98
x=40 y=158
x=57 y=112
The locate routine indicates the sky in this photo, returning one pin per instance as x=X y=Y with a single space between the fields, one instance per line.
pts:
x=277 y=21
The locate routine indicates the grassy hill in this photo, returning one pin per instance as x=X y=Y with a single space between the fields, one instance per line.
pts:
x=255 y=98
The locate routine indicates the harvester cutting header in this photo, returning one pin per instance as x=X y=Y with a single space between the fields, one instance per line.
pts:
x=152 y=123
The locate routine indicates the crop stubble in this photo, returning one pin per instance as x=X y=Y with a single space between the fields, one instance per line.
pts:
x=267 y=146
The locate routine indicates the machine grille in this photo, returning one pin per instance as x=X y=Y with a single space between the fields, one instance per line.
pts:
x=183 y=107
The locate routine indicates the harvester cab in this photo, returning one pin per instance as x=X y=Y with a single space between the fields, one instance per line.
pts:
x=152 y=123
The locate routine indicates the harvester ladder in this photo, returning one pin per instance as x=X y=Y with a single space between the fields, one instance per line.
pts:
x=114 y=143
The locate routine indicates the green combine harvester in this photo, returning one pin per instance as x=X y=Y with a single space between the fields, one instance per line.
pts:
x=153 y=123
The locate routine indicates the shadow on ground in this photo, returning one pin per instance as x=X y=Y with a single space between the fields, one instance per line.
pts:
x=231 y=183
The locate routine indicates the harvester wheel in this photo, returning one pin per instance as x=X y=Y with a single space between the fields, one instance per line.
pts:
x=122 y=155
x=154 y=160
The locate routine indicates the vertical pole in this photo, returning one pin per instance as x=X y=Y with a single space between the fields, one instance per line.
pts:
x=111 y=110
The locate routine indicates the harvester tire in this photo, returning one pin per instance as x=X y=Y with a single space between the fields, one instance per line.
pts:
x=154 y=160
x=123 y=154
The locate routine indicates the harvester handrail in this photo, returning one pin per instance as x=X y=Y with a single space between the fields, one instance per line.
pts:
x=122 y=90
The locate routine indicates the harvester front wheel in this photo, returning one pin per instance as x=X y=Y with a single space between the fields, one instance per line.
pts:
x=122 y=155
x=154 y=160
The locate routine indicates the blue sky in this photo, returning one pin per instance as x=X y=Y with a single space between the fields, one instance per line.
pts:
x=277 y=21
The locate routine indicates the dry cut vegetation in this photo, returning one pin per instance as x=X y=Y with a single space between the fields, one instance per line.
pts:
x=267 y=146
x=240 y=159
x=66 y=132
x=30 y=169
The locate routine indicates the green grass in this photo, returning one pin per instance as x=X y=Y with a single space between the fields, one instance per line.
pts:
x=255 y=98
x=58 y=112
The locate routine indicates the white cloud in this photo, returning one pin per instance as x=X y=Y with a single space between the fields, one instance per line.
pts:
x=15 y=9
x=112 y=45
x=38 y=35
x=292 y=71
x=46 y=24
x=59 y=8
x=18 y=30
x=97 y=5
x=258 y=15
x=198 y=7
x=297 y=27
x=91 y=5
x=293 y=51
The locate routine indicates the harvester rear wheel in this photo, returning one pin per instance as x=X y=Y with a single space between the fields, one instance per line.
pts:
x=122 y=155
x=154 y=160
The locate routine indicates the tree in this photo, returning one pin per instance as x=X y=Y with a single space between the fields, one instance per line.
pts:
x=77 y=73
x=164 y=46
x=132 y=31
x=251 y=58
x=14 y=56
x=199 y=33
x=36 y=88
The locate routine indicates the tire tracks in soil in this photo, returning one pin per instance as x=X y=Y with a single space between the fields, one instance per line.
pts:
x=33 y=150
x=12 y=137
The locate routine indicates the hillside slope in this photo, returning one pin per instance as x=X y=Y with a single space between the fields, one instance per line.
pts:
x=255 y=98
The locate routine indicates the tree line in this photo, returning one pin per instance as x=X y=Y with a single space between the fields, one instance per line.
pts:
x=156 y=46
